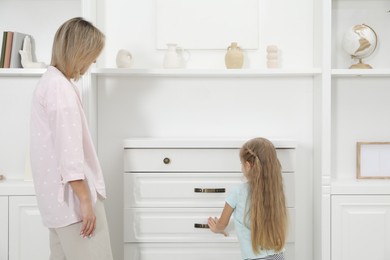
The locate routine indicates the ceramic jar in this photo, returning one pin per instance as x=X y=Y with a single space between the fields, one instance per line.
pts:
x=234 y=58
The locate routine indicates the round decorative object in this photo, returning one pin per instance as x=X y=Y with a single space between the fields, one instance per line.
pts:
x=124 y=59
x=272 y=57
x=360 y=42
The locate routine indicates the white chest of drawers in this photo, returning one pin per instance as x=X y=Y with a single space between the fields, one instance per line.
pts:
x=171 y=187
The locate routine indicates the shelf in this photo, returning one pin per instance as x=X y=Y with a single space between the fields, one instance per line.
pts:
x=211 y=73
x=361 y=72
x=360 y=187
x=21 y=72
x=181 y=73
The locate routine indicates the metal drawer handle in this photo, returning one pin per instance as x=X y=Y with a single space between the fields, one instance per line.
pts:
x=196 y=225
x=167 y=160
x=216 y=190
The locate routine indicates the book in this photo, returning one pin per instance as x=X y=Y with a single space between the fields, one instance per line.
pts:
x=8 y=46
x=3 y=49
x=17 y=45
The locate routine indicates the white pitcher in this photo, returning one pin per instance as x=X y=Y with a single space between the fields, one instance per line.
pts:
x=175 y=57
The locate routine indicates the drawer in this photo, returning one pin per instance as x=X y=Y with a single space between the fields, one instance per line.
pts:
x=184 y=189
x=178 y=225
x=194 y=160
x=190 y=251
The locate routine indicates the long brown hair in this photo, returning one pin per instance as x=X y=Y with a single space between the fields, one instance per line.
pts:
x=268 y=212
x=76 y=45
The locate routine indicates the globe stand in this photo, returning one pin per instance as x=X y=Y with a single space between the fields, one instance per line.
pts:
x=360 y=65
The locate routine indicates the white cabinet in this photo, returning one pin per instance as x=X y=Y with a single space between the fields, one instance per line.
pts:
x=360 y=227
x=28 y=238
x=350 y=109
x=171 y=187
x=3 y=228
x=22 y=236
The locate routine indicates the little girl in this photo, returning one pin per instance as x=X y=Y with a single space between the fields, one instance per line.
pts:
x=260 y=213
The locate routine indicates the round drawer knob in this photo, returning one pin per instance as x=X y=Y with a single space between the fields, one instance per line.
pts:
x=166 y=160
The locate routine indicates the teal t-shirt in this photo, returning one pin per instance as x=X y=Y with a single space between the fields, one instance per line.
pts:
x=237 y=199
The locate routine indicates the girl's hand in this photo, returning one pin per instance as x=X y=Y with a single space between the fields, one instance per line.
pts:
x=213 y=225
x=89 y=219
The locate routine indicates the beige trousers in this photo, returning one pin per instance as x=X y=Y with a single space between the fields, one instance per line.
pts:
x=67 y=244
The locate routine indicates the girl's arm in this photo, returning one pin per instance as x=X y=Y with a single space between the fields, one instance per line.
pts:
x=218 y=225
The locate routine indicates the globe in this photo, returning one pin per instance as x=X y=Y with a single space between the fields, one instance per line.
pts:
x=360 y=41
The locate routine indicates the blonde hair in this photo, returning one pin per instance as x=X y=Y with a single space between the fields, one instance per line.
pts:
x=77 y=44
x=268 y=212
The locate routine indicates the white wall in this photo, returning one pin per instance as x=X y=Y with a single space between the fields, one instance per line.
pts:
x=15 y=100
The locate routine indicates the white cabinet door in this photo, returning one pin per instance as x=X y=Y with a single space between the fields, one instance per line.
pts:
x=360 y=227
x=3 y=227
x=28 y=238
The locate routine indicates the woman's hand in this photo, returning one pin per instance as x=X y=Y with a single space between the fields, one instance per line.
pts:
x=89 y=219
x=214 y=227
x=80 y=188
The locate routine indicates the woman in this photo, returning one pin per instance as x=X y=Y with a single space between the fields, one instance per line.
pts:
x=67 y=176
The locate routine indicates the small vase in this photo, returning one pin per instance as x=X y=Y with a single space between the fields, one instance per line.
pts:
x=175 y=57
x=234 y=58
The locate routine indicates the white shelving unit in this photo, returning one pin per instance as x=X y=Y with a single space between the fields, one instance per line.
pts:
x=352 y=104
x=342 y=105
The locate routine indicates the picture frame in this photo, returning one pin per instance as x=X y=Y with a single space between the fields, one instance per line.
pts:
x=194 y=24
x=373 y=160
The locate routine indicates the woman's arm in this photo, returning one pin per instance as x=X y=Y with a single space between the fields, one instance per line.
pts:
x=80 y=188
x=218 y=225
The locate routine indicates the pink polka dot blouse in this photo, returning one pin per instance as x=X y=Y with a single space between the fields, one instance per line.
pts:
x=61 y=150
